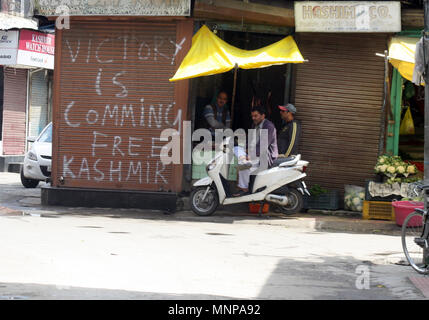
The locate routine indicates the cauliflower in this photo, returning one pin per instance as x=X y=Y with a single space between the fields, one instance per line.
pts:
x=391 y=169
x=383 y=168
x=400 y=169
x=411 y=169
x=356 y=201
x=381 y=160
x=361 y=195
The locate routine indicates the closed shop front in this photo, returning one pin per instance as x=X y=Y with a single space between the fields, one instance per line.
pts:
x=39 y=115
x=339 y=97
x=112 y=101
x=14 y=111
x=27 y=60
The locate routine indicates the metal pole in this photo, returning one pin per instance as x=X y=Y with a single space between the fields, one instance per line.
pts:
x=426 y=78
x=233 y=94
x=382 y=144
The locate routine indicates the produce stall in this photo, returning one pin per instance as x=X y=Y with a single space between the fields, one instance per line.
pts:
x=396 y=180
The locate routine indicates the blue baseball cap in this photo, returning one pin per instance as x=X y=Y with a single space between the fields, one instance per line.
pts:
x=289 y=107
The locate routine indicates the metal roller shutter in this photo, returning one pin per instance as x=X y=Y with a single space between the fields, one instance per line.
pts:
x=114 y=101
x=38 y=102
x=339 y=96
x=14 y=105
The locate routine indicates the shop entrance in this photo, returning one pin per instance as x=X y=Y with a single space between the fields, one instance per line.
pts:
x=268 y=87
x=411 y=143
x=265 y=86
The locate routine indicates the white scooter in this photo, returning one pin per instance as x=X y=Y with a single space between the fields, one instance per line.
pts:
x=281 y=185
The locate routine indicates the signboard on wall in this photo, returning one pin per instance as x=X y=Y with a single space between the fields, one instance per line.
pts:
x=36 y=49
x=115 y=7
x=8 y=47
x=347 y=16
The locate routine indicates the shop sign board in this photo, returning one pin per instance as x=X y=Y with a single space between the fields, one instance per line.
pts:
x=115 y=7
x=347 y=16
x=8 y=47
x=36 y=49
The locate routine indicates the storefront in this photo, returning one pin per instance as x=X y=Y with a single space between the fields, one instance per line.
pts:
x=112 y=99
x=406 y=116
x=339 y=93
x=268 y=86
x=27 y=59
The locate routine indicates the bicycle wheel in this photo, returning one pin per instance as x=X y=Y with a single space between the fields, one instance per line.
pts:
x=412 y=229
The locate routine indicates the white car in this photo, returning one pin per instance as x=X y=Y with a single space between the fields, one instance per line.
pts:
x=37 y=161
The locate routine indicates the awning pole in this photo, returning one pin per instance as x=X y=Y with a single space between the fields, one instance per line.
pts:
x=233 y=93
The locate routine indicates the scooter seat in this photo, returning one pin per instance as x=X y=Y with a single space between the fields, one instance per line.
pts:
x=286 y=162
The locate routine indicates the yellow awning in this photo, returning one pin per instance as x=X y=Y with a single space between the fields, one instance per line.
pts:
x=211 y=55
x=401 y=55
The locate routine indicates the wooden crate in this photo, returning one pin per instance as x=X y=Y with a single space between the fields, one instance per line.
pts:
x=378 y=210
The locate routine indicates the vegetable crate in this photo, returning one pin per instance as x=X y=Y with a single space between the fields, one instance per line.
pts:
x=327 y=201
x=378 y=210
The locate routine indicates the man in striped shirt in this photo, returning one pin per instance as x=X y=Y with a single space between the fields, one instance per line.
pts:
x=290 y=134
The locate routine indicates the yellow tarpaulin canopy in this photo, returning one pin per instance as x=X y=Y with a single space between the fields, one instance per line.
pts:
x=401 y=55
x=211 y=55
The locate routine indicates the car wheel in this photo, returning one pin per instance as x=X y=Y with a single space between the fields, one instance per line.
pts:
x=28 y=183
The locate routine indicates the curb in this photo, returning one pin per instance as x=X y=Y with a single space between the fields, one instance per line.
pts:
x=312 y=222
x=313 y=219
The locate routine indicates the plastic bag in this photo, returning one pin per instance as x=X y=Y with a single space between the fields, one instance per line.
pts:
x=407 y=124
x=353 y=198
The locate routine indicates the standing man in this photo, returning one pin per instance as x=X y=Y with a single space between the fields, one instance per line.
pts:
x=290 y=134
x=217 y=115
x=245 y=166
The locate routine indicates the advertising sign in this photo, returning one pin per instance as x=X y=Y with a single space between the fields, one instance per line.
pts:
x=36 y=49
x=115 y=7
x=8 y=47
x=347 y=16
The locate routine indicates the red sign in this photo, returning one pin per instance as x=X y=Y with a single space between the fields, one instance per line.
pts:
x=36 y=49
x=37 y=42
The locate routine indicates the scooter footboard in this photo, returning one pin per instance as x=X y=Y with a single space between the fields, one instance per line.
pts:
x=206 y=181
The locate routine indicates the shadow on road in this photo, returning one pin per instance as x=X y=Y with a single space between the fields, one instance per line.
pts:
x=338 y=278
x=31 y=291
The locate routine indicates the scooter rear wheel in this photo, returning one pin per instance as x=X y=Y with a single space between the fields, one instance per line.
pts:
x=206 y=207
x=296 y=202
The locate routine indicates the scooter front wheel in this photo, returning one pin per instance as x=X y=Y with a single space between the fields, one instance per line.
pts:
x=204 y=202
x=295 y=204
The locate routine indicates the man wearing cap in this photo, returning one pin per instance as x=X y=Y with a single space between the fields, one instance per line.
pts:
x=290 y=134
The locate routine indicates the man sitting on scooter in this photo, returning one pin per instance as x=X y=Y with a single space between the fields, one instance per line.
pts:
x=247 y=166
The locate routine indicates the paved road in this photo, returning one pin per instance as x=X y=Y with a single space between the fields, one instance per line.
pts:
x=78 y=253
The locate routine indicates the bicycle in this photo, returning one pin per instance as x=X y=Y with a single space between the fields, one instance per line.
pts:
x=415 y=235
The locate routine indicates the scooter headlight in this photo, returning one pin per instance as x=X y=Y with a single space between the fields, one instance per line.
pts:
x=211 y=165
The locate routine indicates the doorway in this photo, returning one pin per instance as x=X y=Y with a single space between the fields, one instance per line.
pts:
x=411 y=145
x=265 y=86
x=268 y=87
